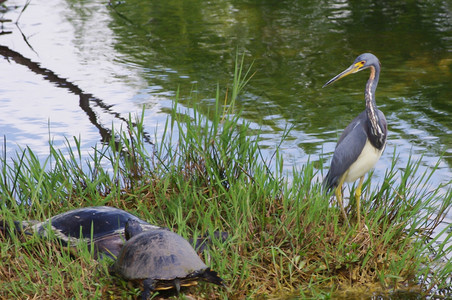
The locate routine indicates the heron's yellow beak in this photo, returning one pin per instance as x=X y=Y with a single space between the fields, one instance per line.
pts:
x=350 y=70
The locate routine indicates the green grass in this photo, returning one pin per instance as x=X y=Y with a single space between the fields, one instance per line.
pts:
x=285 y=239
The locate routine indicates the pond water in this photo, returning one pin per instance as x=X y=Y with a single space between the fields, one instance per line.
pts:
x=92 y=63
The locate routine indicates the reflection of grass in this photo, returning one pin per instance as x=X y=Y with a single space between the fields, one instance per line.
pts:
x=285 y=239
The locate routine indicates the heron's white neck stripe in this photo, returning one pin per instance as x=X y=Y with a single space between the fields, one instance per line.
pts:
x=372 y=114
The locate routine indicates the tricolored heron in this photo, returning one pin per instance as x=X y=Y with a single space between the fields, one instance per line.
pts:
x=363 y=140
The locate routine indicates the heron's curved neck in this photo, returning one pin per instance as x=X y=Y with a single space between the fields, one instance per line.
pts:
x=376 y=130
x=371 y=85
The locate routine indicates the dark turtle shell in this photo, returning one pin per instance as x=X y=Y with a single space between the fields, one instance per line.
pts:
x=162 y=259
x=101 y=225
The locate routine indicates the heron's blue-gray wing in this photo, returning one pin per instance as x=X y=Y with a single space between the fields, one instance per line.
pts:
x=347 y=151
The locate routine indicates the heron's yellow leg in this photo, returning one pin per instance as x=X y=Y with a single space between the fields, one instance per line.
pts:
x=338 y=193
x=358 y=199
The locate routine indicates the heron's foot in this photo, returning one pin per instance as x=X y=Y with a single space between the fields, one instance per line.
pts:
x=345 y=216
x=362 y=225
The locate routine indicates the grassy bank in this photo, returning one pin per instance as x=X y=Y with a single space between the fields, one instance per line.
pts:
x=285 y=239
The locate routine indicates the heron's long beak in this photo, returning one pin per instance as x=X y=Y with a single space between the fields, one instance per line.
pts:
x=350 y=70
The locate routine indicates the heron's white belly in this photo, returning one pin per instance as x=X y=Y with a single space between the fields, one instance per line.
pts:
x=366 y=161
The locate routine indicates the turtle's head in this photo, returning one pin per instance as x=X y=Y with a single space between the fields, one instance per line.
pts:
x=132 y=228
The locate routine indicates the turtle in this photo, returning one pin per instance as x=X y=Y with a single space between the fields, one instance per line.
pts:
x=102 y=226
x=160 y=260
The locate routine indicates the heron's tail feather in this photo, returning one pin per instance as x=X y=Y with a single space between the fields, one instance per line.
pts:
x=329 y=183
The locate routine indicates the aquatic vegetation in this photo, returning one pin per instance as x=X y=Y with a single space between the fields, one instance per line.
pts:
x=205 y=174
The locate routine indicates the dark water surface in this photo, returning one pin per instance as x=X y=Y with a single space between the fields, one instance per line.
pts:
x=133 y=53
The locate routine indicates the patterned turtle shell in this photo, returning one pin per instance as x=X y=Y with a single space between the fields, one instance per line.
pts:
x=102 y=226
x=161 y=259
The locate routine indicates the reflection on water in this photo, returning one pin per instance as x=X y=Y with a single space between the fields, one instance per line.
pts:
x=85 y=100
x=138 y=53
